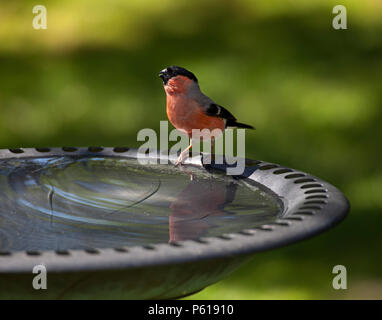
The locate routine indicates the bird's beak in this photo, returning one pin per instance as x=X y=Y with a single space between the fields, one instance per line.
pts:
x=163 y=75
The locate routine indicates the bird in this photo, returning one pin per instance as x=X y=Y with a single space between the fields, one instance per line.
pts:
x=188 y=108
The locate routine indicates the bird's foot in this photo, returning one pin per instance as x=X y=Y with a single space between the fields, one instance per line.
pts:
x=179 y=161
x=183 y=156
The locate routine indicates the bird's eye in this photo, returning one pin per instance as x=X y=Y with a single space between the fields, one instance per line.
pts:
x=169 y=70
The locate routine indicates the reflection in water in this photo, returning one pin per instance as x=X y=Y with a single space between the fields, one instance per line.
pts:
x=60 y=203
x=197 y=206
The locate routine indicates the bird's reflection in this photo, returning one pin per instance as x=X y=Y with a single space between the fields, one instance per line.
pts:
x=201 y=199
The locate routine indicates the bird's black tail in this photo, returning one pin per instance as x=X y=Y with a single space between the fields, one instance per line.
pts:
x=239 y=125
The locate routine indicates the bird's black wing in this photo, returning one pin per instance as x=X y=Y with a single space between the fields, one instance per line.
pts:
x=215 y=110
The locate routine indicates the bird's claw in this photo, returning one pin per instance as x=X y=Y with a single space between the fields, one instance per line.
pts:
x=178 y=162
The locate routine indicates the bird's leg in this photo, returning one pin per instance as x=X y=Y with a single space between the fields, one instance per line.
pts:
x=183 y=155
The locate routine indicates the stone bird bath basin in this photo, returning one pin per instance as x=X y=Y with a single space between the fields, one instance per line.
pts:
x=105 y=226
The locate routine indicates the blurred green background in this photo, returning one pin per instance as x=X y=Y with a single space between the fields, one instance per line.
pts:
x=313 y=93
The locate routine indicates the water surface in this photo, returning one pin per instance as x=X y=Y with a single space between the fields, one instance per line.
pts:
x=60 y=203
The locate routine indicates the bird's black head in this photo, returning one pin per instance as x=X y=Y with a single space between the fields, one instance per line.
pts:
x=173 y=71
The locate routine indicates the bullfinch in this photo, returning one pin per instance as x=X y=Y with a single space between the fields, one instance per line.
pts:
x=188 y=108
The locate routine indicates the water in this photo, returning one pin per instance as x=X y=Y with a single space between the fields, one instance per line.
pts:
x=61 y=203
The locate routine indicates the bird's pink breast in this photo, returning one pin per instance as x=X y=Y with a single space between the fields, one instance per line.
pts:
x=186 y=114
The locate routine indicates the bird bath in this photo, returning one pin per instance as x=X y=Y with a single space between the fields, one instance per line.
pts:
x=106 y=226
